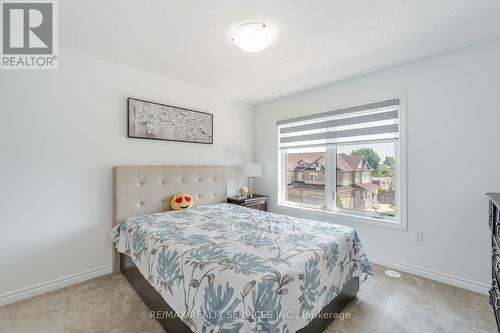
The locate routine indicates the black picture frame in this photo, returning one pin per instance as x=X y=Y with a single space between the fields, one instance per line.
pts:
x=130 y=135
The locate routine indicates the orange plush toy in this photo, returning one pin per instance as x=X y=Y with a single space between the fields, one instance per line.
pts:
x=181 y=201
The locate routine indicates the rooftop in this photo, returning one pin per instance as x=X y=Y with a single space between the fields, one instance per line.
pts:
x=345 y=163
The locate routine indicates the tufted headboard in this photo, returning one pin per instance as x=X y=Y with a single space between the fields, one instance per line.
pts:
x=141 y=190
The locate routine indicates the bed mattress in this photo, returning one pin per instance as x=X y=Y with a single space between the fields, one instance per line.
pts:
x=228 y=268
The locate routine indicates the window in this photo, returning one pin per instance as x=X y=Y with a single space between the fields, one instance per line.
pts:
x=350 y=160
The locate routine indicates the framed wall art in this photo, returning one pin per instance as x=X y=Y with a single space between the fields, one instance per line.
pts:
x=155 y=121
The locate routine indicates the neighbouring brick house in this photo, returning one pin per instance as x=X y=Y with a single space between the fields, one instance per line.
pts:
x=387 y=191
x=306 y=180
x=354 y=182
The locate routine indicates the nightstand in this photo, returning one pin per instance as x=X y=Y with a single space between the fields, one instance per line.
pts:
x=257 y=201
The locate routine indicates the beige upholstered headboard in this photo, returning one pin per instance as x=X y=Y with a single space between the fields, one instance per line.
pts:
x=141 y=190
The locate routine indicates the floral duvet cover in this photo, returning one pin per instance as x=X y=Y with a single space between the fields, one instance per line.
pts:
x=226 y=268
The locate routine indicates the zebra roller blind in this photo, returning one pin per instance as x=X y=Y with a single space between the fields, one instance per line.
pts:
x=377 y=122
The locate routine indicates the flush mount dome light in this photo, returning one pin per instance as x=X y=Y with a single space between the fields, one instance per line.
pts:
x=253 y=36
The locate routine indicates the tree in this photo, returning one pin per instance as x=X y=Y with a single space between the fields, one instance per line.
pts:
x=389 y=161
x=340 y=204
x=389 y=173
x=370 y=156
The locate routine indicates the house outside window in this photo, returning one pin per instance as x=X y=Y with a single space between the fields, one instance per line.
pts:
x=360 y=177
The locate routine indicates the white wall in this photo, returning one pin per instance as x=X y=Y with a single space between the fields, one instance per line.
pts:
x=453 y=155
x=60 y=133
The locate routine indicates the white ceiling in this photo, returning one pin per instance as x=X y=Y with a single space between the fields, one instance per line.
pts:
x=320 y=41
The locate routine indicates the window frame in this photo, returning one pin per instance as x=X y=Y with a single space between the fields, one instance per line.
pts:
x=399 y=221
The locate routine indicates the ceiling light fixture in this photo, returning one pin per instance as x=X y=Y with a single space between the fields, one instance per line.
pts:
x=253 y=36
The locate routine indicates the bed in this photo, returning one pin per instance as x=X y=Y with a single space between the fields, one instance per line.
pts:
x=219 y=267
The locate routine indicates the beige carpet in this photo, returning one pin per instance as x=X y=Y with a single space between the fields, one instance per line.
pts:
x=384 y=304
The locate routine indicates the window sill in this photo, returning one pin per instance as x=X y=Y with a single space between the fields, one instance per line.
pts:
x=341 y=216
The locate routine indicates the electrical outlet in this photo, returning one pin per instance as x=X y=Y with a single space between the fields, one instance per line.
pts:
x=418 y=236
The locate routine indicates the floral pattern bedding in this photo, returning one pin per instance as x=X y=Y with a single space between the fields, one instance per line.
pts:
x=226 y=268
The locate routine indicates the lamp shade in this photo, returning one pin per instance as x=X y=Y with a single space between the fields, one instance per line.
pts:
x=253 y=170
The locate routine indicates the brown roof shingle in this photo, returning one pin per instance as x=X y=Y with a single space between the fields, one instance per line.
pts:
x=293 y=159
x=345 y=162
x=366 y=186
x=349 y=163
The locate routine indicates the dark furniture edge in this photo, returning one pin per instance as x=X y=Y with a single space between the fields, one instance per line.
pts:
x=494 y=224
x=156 y=303
x=256 y=197
x=495 y=198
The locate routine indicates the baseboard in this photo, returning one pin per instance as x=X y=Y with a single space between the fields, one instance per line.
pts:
x=42 y=288
x=431 y=275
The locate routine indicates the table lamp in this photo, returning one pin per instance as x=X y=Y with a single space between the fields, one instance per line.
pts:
x=252 y=170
